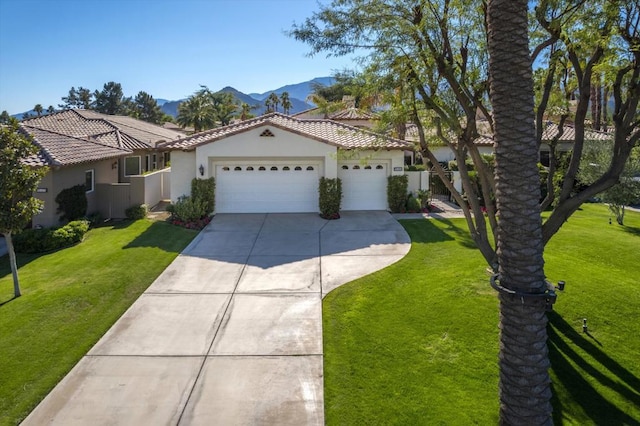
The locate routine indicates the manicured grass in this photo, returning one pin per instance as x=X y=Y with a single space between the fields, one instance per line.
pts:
x=70 y=298
x=417 y=343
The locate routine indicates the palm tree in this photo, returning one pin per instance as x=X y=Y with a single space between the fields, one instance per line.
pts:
x=274 y=100
x=285 y=102
x=525 y=392
x=245 y=111
x=38 y=109
x=51 y=109
x=196 y=111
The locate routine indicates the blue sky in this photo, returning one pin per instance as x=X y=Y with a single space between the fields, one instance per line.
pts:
x=164 y=47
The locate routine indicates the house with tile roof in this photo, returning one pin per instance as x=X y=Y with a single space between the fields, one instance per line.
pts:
x=273 y=163
x=93 y=149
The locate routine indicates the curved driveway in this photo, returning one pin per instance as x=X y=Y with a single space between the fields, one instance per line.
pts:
x=231 y=332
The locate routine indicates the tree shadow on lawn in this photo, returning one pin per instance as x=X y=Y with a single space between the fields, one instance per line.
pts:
x=570 y=369
x=162 y=235
x=632 y=230
x=426 y=231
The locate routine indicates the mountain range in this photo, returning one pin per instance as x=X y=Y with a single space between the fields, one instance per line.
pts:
x=298 y=94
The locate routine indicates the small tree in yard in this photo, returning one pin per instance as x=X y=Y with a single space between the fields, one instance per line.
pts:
x=18 y=181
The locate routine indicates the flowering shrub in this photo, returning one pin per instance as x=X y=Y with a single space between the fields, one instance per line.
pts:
x=196 y=224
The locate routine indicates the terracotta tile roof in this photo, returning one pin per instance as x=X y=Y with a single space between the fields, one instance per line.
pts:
x=61 y=150
x=132 y=133
x=569 y=133
x=327 y=131
x=352 y=114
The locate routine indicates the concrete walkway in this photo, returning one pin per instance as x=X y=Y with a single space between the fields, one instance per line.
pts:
x=231 y=332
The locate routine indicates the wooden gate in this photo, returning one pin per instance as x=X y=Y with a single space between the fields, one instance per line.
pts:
x=438 y=189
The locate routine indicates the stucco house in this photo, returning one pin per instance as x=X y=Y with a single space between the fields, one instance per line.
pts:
x=92 y=149
x=273 y=163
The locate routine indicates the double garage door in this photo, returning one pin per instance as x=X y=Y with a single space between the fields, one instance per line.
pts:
x=267 y=187
x=293 y=187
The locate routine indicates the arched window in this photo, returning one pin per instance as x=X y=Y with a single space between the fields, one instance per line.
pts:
x=286 y=168
x=237 y=168
x=249 y=169
x=226 y=169
x=367 y=167
x=261 y=168
x=310 y=168
x=274 y=168
x=298 y=168
x=379 y=167
x=356 y=167
x=345 y=167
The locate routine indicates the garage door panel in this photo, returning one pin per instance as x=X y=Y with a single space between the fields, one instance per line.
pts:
x=266 y=191
x=363 y=187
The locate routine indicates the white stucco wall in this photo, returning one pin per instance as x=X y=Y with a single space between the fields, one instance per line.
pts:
x=183 y=170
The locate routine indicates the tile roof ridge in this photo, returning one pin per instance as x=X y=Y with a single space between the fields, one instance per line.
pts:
x=49 y=156
x=84 y=139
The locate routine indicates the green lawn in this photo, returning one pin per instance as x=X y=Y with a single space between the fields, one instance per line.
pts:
x=417 y=343
x=70 y=299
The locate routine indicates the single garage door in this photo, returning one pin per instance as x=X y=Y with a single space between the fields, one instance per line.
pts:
x=364 y=187
x=267 y=188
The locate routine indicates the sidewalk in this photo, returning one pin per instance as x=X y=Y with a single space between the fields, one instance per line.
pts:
x=446 y=211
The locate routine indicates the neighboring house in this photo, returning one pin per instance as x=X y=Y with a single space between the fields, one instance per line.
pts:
x=273 y=163
x=91 y=149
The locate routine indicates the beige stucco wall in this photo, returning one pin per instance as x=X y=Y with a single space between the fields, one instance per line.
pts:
x=183 y=170
x=61 y=178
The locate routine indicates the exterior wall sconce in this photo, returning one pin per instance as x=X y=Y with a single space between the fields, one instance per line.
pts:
x=114 y=165
x=201 y=169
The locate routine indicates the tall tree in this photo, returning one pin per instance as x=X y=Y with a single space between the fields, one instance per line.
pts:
x=84 y=98
x=4 y=117
x=146 y=108
x=525 y=393
x=71 y=100
x=51 y=109
x=196 y=112
x=285 y=102
x=18 y=182
x=38 y=109
x=111 y=99
x=245 y=111
x=274 y=101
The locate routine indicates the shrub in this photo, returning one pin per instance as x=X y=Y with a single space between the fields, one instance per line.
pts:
x=43 y=240
x=95 y=219
x=72 y=203
x=415 y=168
x=424 y=195
x=330 y=191
x=412 y=205
x=188 y=209
x=397 y=193
x=205 y=191
x=137 y=212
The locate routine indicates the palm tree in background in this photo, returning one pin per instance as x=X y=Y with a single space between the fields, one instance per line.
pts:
x=196 y=112
x=245 y=111
x=51 y=109
x=273 y=100
x=38 y=109
x=525 y=392
x=285 y=102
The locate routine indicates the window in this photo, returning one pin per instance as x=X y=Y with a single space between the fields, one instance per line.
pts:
x=237 y=168
x=132 y=166
x=345 y=167
x=261 y=169
x=154 y=161
x=298 y=168
x=356 y=167
x=166 y=157
x=379 y=167
x=225 y=169
x=310 y=168
x=274 y=168
x=286 y=168
x=367 y=167
x=249 y=169
x=147 y=163
x=89 y=180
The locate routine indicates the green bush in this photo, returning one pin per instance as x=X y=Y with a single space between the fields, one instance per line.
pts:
x=424 y=195
x=415 y=168
x=397 y=193
x=43 y=240
x=137 y=212
x=413 y=205
x=205 y=191
x=72 y=203
x=330 y=191
x=188 y=209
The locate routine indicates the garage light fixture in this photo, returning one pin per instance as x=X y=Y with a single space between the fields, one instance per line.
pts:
x=201 y=168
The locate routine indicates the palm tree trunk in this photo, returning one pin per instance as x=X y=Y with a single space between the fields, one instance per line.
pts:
x=525 y=392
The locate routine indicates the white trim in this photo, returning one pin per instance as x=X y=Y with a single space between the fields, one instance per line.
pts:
x=93 y=180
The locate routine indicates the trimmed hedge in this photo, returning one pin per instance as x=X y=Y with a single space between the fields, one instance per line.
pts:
x=330 y=192
x=397 y=193
x=44 y=240
x=137 y=212
x=72 y=203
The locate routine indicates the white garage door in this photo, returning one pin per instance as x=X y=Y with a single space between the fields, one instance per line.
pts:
x=267 y=188
x=364 y=187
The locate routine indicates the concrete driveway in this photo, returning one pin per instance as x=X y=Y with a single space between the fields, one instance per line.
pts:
x=231 y=332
